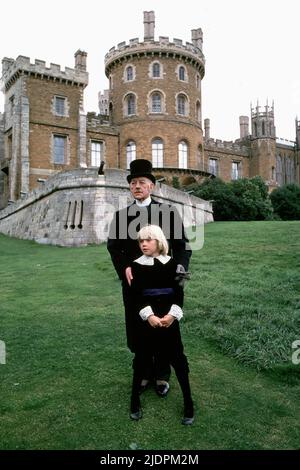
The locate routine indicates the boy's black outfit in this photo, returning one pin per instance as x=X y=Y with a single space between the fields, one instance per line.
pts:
x=155 y=291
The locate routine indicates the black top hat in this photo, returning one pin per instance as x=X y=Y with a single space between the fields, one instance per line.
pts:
x=141 y=167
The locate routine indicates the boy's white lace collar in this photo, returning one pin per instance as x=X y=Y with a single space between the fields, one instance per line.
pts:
x=149 y=260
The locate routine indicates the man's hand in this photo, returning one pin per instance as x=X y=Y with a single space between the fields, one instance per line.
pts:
x=167 y=320
x=154 y=321
x=128 y=274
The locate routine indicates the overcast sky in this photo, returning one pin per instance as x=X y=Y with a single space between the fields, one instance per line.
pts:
x=251 y=48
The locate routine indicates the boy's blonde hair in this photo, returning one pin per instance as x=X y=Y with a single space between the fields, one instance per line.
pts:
x=154 y=232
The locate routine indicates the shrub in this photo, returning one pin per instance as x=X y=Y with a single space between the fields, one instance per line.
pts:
x=286 y=202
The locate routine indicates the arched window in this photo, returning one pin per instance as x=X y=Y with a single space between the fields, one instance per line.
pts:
x=129 y=73
x=156 y=70
x=263 y=130
x=198 y=111
x=182 y=105
x=182 y=154
x=181 y=73
x=156 y=102
x=131 y=105
x=157 y=153
x=198 y=82
x=130 y=152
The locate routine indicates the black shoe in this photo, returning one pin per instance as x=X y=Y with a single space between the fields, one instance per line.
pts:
x=188 y=417
x=162 y=389
x=136 y=415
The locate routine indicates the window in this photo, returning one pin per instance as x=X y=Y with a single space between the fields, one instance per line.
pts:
x=263 y=130
x=213 y=166
x=157 y=153
x=96 y=153
x=156 y=70
x=129 y=73
x=181 y=73
x=198 y=111
x=60 y=106
x=130 y=152
x=235 y=170
x=130 y=104
x=182 y=105
x=59 y=149
x=156 y=103
x=182 y=154
x=198 y=82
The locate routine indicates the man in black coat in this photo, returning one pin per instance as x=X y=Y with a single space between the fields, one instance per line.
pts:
x=123 y=246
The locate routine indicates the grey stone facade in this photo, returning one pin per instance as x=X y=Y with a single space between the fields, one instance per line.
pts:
x=75 y=208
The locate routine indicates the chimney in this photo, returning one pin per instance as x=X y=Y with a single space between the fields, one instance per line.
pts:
x=149 y=24
x=206 y=129
x=80 y=60
x=244 y=127
x=197 y=38
x=6 y=64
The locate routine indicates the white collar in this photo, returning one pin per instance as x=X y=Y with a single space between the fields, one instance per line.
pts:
x=144 y=203
x=149 y=260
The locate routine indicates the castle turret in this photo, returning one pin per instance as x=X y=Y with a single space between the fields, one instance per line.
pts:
x=263 y=144
x=297 y=133
x=244 y=127
x=154 y=86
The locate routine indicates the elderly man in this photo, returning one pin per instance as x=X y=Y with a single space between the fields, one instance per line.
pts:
x=124 y=249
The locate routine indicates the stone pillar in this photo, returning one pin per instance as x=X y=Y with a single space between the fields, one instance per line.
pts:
x=244 y=127
x=149 y=25
x=82 y=121
x=197 y=38
x=24 y=145
x=80 y=60
x=207 y=129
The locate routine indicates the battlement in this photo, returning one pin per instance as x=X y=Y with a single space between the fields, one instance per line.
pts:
x=150 y=47
x=268 y=111
x=12 y=69
x=236 y=147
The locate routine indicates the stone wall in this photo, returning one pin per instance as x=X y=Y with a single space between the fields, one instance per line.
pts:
x=75 y=208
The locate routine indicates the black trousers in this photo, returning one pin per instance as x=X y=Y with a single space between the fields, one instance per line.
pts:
x=156 y=367
x=162 y=344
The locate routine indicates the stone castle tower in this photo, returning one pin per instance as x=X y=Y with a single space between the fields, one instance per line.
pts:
x=155 y=98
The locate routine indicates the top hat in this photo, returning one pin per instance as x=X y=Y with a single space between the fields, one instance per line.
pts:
x=141 y=167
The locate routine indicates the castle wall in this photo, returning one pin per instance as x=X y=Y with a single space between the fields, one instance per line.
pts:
x=75 y=208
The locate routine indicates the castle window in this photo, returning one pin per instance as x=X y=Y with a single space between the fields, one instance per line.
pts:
x=263 y=130
x=60 y=106
x=157 y=153
x=156 y=70
x=198 y=82
x=129 y=73
x=213 y=166
x=182 y=154
x=59 y=149
x=156 y=103
x=130 y=104
x=235 y=170
x=198 y=111
x=96 y=153
x=182 y=107
x=130 y=152
x=181 y=73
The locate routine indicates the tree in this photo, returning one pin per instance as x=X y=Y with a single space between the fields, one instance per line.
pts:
x=286 y=202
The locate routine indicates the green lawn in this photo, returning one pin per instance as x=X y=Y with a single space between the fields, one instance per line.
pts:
x=66 y=381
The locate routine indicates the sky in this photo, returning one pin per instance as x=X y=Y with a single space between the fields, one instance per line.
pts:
x=250 y=48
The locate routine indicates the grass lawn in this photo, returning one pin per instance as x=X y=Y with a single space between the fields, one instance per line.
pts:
x=66 y=381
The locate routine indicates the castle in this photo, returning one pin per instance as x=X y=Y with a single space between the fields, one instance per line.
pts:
x=153 y=109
